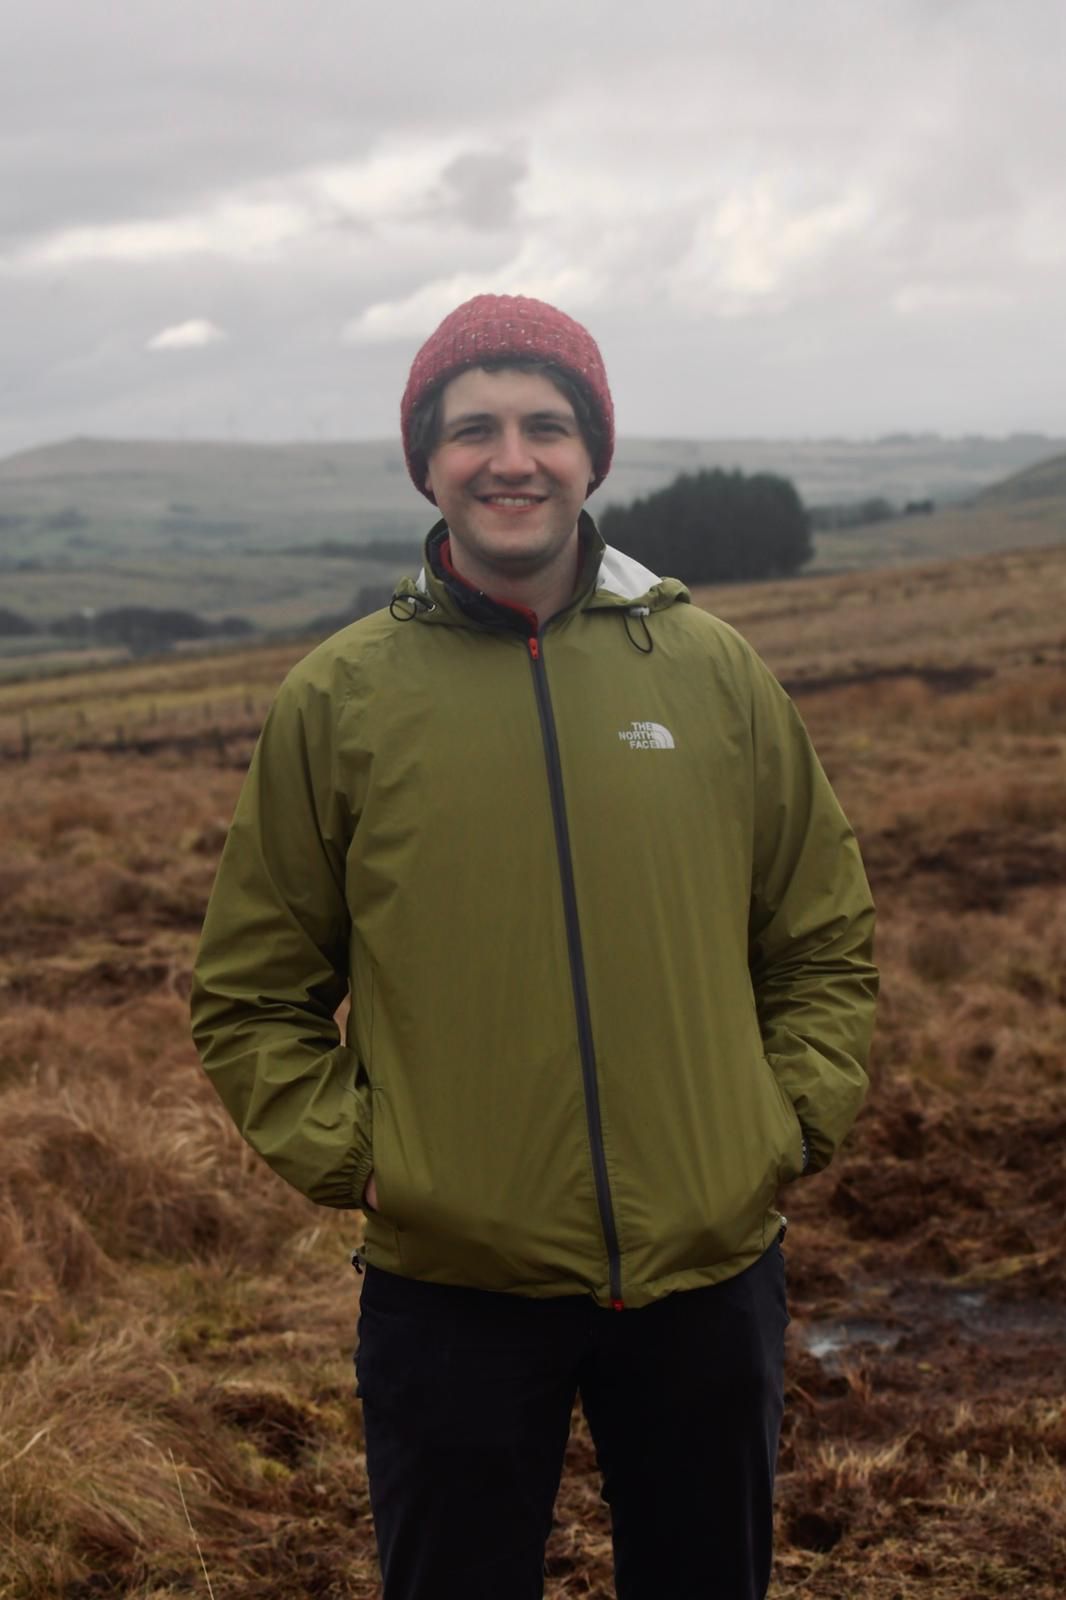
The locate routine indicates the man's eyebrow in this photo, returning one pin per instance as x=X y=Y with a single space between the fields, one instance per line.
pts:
x=468 y=416
x=543 y=414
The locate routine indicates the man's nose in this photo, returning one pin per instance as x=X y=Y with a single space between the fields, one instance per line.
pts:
x=511 y=455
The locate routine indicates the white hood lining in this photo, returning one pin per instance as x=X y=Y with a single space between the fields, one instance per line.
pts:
x=619 y=574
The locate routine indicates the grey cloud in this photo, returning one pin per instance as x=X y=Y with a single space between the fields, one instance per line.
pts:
x=596 y=137
x=110 y=113
x=479 y=187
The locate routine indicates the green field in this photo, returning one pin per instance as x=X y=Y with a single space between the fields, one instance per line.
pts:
x=272 y=590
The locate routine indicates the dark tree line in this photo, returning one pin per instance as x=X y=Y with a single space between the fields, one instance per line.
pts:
x=144 y=630
x=839 y=517
x=852 y=514
x=13 y=623
x=715 y=527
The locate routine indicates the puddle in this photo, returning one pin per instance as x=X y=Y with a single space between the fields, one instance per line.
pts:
x=831 y=1342
x=978 y=1313
x=969 y=1301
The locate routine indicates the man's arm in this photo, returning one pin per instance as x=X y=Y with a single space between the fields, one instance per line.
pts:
x=273 y=961
x=810 y=928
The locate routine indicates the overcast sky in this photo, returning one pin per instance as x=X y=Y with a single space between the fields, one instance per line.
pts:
x=239 y=218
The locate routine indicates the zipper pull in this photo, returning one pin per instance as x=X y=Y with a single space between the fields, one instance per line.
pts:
x=618 y=1305
x=534 y=647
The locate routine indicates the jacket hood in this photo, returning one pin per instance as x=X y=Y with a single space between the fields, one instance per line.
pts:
x=608 y=579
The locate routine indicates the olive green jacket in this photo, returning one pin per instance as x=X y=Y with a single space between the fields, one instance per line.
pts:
x=604 y=926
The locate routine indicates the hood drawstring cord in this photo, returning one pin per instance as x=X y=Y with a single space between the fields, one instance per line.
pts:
x=641 y=613
x=402 y=607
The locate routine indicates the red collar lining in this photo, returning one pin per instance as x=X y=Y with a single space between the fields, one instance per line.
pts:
x=445 y=551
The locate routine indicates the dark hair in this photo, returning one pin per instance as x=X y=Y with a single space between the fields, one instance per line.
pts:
x=426 y=419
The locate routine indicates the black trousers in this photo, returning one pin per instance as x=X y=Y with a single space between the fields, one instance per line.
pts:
x=467 y=1397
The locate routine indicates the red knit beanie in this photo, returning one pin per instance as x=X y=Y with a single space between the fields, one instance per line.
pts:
x=495 y=325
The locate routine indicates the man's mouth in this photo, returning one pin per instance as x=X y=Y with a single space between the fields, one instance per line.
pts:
x=513 y=502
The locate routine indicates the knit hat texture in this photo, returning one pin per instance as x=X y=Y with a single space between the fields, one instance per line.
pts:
x=495 y=325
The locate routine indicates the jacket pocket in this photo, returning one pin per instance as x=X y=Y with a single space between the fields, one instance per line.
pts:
x=380 y=1233
x=790 y=1144
x=382 y=1168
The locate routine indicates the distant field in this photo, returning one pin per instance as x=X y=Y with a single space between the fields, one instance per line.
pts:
x=177 y=1322
x=986 y=616
x=116 y=496
x=273 y=590
x=211 y=527
x=985 y=526
x=280 y=591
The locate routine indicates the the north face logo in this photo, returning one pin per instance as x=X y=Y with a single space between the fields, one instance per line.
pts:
x=647 y=736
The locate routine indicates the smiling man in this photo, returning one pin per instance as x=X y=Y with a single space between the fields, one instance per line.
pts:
x=564 y=841
x=510 y=472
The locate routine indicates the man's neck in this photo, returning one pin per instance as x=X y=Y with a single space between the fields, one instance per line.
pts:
x=543 y=593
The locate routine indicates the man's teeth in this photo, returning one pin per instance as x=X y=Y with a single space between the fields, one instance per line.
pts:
x=512 y=500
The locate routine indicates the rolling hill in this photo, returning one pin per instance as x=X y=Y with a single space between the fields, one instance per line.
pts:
x=1023 y=511
x=280 y=533
x=136 y=497
x=1045 y=480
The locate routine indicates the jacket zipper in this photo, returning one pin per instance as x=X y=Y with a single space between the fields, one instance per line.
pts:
x=577 y=973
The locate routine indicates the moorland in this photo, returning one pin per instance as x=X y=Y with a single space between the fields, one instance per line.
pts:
x=176 y=1397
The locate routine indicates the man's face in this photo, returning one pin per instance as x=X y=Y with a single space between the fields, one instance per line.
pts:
x=510 y=473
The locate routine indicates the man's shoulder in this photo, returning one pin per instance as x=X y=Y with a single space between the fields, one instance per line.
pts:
x=344 y=652
x=710 y=634
x=704 y=644
x=332 y=672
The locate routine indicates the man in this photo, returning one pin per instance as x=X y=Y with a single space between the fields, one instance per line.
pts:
x=607 y=938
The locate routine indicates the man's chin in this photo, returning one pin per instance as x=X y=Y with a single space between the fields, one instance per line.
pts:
x=511 y=552
x=538 y=547
x=517 y=563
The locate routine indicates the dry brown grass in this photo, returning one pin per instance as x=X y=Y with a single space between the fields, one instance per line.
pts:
x=165 y=1297
x=116 y=1154
x=991 y=613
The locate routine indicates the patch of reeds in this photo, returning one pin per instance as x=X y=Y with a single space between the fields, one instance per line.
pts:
x=118 y=1154
x=91 y=1486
